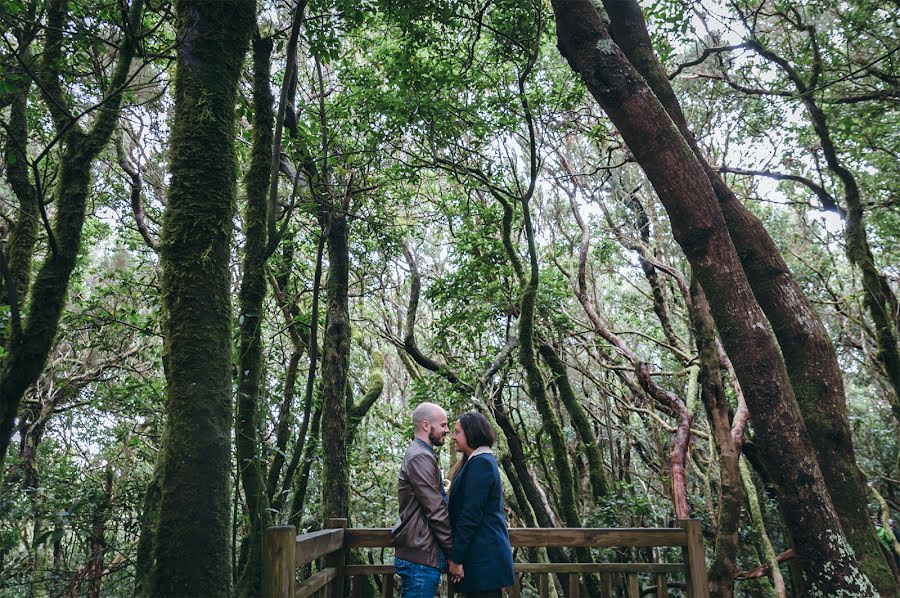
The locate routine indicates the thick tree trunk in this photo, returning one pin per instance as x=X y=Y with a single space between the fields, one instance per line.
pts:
x=193 y=537
x=335 y=363
x=699 y=227
x=808 y=353
x=251 y=297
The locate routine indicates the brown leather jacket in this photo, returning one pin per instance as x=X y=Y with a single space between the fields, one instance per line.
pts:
x=424 y=522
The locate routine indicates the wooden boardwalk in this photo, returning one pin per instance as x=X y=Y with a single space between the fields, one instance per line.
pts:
x=285 y=552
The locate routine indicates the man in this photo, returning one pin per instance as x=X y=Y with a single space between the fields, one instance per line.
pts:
x=422 y=535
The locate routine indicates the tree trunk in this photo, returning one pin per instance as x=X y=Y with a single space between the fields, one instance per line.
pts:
x=699 y=227
x=251 y=297
x=731 y=489
x=335 y=363
x=98 y=535
x=301 y=481
x=193 y=537
x=23 y=235
x=807 y=350
x=374 y=388
x=579 y=418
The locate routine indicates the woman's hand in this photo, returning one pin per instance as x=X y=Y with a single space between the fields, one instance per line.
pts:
x=456 y=572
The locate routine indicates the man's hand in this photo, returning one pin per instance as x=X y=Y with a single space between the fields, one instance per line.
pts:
x=456 y=572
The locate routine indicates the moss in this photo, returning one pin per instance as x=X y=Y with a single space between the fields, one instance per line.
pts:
x=580 y=421
x=251 y=296
x=192 y=555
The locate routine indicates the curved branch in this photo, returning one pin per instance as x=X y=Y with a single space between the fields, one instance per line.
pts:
x=707 y=52
x=137 y=186
x=409 y=338
x=827 y=200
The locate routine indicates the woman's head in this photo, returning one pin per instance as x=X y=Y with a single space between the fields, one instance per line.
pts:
x=473 y=430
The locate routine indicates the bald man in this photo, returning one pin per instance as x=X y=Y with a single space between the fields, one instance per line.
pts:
x=422 y=535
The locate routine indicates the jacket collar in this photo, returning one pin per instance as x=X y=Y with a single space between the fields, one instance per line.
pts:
x=481 y=450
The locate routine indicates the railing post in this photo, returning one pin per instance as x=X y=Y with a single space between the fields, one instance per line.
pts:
x=387 y=585
x=694 y=559
x=279 y=554
x=337 y=559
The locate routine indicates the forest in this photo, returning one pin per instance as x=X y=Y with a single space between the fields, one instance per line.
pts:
x=655 y=242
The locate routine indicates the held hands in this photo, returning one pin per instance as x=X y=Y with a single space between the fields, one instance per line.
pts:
x=456 y=572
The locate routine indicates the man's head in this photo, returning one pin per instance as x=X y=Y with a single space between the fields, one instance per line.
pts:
x=430 y=423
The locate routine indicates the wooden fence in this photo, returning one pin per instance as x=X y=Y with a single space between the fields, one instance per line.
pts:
x=285 y=552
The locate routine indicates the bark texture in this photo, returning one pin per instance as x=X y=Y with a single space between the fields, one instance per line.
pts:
x=193 y=535
x=335 y=364
x=580 y=421
x=251 y=296
x=699 y=227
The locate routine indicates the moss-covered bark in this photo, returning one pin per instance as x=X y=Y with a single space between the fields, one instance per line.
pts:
x=579 y=418
x=335 y=363
x=251 y=296
x=301 y=480
x=192 y=555
x=699 y=227
x=23 y=235
x=374 y=388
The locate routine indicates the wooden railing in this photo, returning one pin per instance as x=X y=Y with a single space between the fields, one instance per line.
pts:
x=285 y=552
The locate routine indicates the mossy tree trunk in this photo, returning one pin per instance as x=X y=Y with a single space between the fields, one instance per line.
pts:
x=699 y=227
x=579 y=418
x=251 y=296
x=29 y=345
x=301 y=480
x=193 y=535
x=335 y=365
x=808 y=352
x=24 y=232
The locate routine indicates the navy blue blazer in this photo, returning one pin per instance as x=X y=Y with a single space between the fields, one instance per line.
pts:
x=480 y=535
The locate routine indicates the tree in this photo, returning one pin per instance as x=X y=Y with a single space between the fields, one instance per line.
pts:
x=29 y=344
x=699 y=227
x=192 y=537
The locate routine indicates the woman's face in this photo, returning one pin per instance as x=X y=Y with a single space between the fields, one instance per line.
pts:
x=459 y=437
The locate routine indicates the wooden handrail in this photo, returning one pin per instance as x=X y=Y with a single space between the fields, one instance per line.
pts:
x=285 y=551
x=551 y=537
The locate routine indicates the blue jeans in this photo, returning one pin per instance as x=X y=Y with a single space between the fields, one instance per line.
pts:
x=417 y=581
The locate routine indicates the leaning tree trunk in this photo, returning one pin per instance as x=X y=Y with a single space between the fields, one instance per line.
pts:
x=193 y=535
x=807 y=350
x=579 y=418
x=251 y=296
x=699 y=227
x=728 y=441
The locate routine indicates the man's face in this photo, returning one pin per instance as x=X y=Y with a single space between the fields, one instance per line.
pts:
x=438 y=428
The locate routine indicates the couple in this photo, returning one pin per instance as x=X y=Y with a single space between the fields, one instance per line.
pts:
x=464 y=532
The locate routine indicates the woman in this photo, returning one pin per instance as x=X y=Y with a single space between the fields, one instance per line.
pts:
x=482 y=556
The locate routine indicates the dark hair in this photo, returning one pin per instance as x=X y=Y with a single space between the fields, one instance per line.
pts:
x=477 y=429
